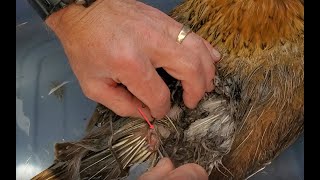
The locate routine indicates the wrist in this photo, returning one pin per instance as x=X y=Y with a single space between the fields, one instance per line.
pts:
x=63 y=20
x=54 y=12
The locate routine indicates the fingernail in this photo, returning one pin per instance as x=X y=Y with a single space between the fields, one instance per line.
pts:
x=216 y=53
x=162 y=162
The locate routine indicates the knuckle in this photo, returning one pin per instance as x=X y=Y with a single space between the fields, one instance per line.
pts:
x=128 y=65
x=160 y=41
x=142 y=28
x=199 y=43
x=131 y=62
x=194 y=66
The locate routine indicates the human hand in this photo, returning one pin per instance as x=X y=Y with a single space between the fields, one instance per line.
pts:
x=122 y=42
x=165 y=170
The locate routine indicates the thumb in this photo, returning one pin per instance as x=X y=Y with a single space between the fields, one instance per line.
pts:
x=115 y=97
x=160 y=171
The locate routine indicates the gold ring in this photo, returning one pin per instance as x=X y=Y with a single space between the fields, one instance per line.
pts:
x=183 y=33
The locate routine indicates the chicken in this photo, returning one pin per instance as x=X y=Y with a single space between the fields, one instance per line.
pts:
x=263 y=54
x=255 y=112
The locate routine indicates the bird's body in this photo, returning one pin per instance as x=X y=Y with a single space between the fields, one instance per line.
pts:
x=255 y=112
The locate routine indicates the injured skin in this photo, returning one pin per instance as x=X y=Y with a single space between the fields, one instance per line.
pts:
x=153 y=140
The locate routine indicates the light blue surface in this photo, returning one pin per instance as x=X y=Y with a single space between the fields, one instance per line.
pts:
x=43 y=120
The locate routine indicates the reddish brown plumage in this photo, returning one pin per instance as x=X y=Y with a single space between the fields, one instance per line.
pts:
x=263 y=47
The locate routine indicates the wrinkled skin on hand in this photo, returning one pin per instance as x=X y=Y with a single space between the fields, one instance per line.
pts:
x=115 y=46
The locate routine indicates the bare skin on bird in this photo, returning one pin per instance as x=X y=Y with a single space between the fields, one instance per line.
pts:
x=255 y=112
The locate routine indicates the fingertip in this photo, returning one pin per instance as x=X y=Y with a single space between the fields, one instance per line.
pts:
x=122 y=102
x=160 y=114
x=200 y=171
x=190 y=101
x=163 y=105
x=151 y=90
x=139 y=106
x=165 y=162
x=216 y=54
x=163 y=167
x=188 y=172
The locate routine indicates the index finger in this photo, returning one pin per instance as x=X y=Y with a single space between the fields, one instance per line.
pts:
x=183 y=64
x=143 y=81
